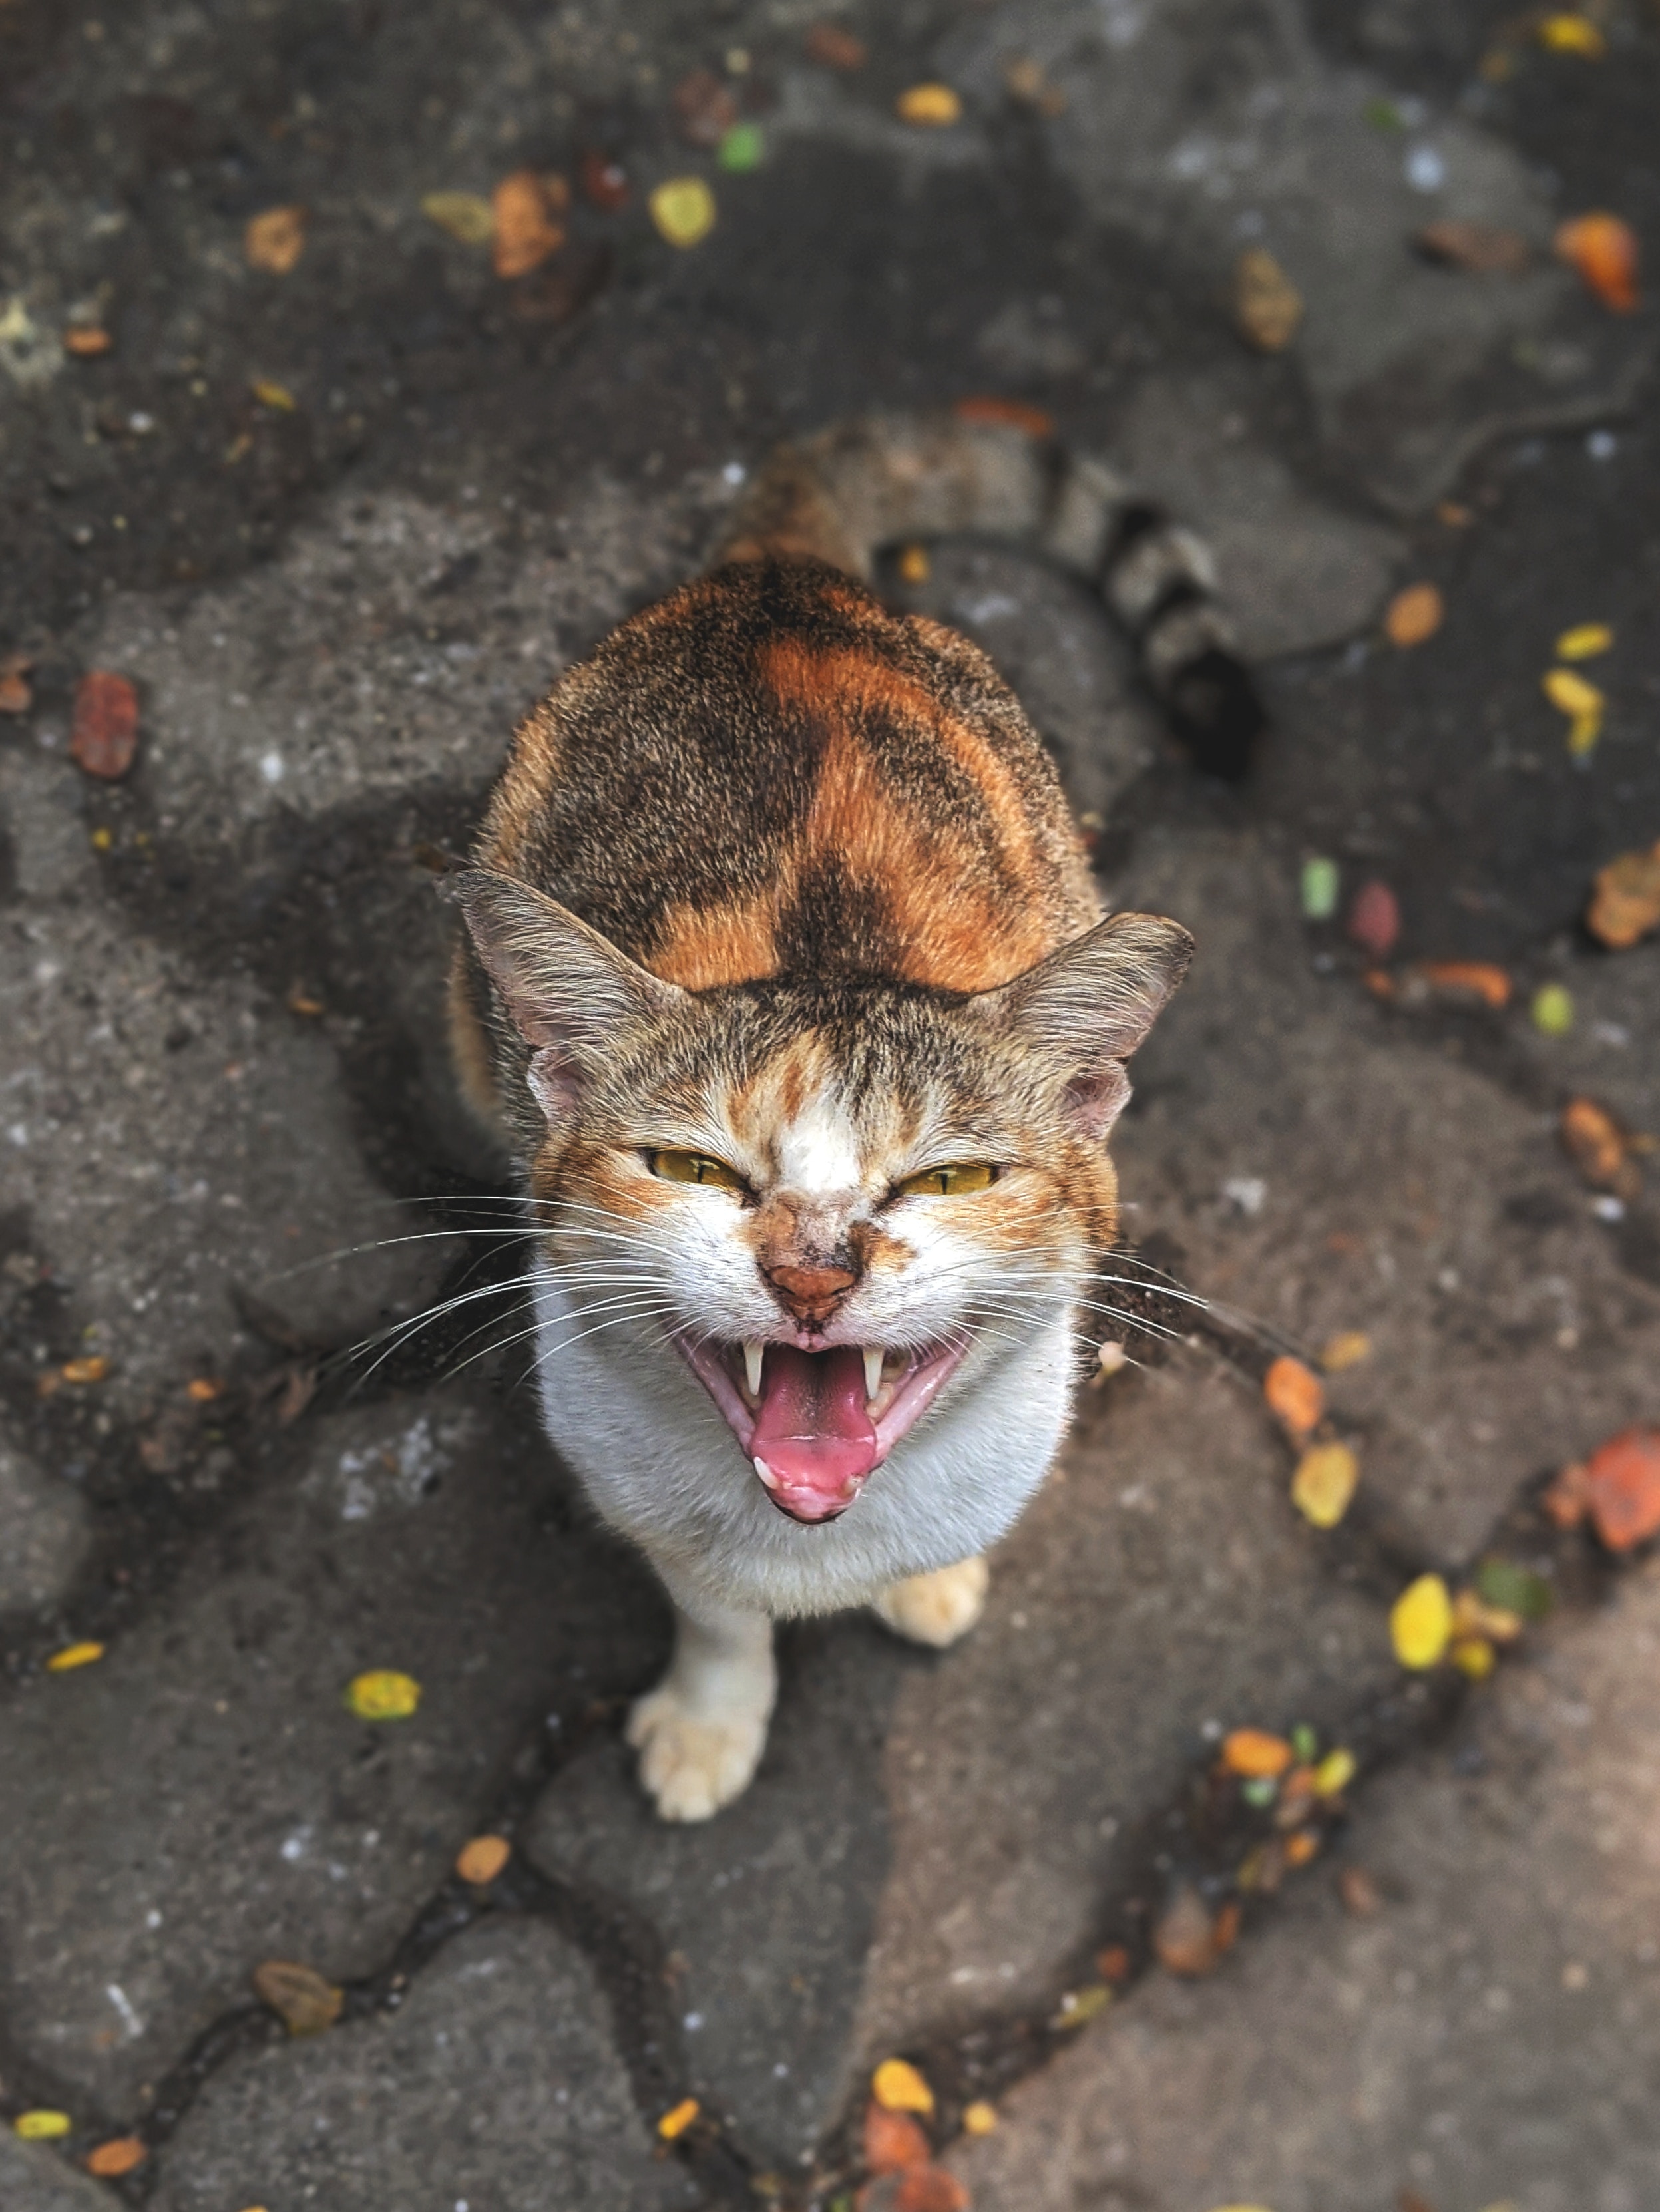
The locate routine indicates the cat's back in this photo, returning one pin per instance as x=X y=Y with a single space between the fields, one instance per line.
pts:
x=770 y=774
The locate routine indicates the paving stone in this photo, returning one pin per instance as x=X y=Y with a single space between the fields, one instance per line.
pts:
x=200 y=1800
x=1491 y=2037
x=33 y=2180
x=496 y=2086
x=770 y=1906
x=1324 y=1165
x=45 y=1525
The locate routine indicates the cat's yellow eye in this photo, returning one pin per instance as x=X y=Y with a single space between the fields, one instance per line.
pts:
x=953 y=1181
x=694 y=1167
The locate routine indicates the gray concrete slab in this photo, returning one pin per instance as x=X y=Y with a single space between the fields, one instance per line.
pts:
x=33 y=2180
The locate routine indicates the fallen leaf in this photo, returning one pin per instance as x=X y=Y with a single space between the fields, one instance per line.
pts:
x=275 y=241
x=464 y=216
x=832 y=47
x=979 y=2119
x=684 y=210
x=1113 y=1964
x=892 y=2141
x=85 y=341
x=1567 y=1501
x=123 y=2154
x=383 y=1694
x=986 y=408
x=1475 y=1614
x=41 y=2125
x=300 y=1001
x=1324 y=1484
x=1374 y=920
x=1253 y=1752
x=1625 y=899
x=604 y=180
x=15 y=696
x=1582 y=702
x=898 y=2088
x=1294 y=1395
x=92 y=1369
x=1027 y=83
x=1302 y=1846
x=1225 y=1933
x=304 y=2003
x=706 y=107
x=930 y=107
x=1572 y=34
x=1267 y=306
x=1414 y=615
x=1317 y=888
x=1359 y=1893
x=1078 y=2006
x=930 y=2189
x=1333 y=1775
x=269 y=393
x=1347 y=1349
x=482 y=1859
x=1476 y=247
x=1185 y=1937
x=104 y=725
x=202 y=1389
x=1553 y=1009
x=913 y=564
x=1597 y=1144
x=679 y=2118
x=524 y=206
x=1622 y=1487
x=741 y=149
x=1603 y=250
x=1584 y=641
x=1420 y=1623
x=73 y=1655
x=1479 y=978
x=1473 y=1656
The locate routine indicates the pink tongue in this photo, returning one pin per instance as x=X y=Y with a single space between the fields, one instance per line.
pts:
x=812 y=1430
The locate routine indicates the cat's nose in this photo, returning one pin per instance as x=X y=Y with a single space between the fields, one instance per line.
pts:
x=811 y=1294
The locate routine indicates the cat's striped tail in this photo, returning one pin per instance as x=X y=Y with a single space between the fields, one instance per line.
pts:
x=993 y=468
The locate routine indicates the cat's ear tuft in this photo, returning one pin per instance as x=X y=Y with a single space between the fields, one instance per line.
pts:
x=1086 y=1008
x=571 y=995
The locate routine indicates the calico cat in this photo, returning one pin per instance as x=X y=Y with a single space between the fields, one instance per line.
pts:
x=786 y=983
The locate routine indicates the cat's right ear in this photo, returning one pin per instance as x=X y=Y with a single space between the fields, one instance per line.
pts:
x=572 y=996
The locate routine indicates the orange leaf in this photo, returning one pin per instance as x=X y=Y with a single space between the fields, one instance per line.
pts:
x=1185 y=1938
x=275 y=241
x=85 y=341
x=1254 y=1752
x=111 y=2159
x=1487 y=982
x=892 y=2141
x=1597 y=1144
x=930 y=2189
x=1294 y=1395
x=1625 y=899
x=526 y=233
x=1622 y=1481
x=832 y=47
x=1414 y=615
x=482 y=1859
x=104 y=727
x=1604 y=251
x=1014 y=414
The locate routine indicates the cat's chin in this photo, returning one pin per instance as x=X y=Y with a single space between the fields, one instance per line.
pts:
x=809 y=1423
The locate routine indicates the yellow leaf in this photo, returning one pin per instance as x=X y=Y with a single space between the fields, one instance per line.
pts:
x=1334 y=1773
x=1572 y=34
x=1324 y=1483
x=1584 y=641
x=85 y=1371
x=41 y=2126
x=1571 y=693
x=1347 y=1349
x=467 y=218
x=274 y=395
x=1583 y=732
x=979 y=2119
x=1475 y=1657
x=1420 y=1622
x=684 y=210
x=933 y=107
x=679 y=2118
x=383 y=1694
x=913 y=564
x=898 y=2088
x=72 y=1655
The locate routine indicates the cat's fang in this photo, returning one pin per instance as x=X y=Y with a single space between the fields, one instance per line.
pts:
x=755 y=1354
x=873 y=1358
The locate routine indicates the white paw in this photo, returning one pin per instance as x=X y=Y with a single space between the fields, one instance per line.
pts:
x=692 y=1765
x=937 y=1608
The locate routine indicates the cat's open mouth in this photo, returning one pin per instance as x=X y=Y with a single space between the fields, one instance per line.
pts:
x=814 y=1425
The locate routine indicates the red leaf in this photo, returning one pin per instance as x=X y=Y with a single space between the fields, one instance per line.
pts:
x=1623 y=1480
x=1375 y=920
x=892 y=2141
x=104 y=734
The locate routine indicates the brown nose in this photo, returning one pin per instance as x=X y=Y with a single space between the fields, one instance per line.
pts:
x=811 y=1293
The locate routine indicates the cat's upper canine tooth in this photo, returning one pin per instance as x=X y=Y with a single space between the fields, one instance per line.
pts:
x=755 y=1353
x=873 y=1358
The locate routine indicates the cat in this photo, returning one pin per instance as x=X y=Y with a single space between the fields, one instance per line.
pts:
x=786 y=982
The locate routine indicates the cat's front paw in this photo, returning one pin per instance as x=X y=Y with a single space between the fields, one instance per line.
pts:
x=937 y=1608
x=692 y=1764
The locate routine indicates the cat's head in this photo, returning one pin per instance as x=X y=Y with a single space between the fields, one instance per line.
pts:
x=829 y=1200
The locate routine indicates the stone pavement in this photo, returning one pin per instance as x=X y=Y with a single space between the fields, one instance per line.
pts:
x=222 y=1063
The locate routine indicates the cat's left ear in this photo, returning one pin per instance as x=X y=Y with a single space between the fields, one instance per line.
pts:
x=571 y=994
x=1086 y=1008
